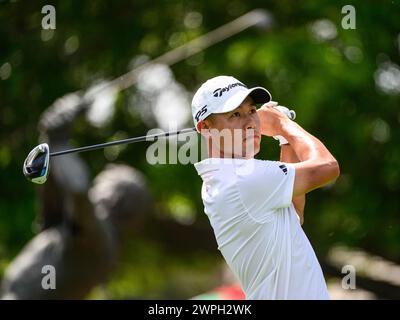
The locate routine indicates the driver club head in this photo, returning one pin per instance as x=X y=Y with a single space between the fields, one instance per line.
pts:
x=36 y=165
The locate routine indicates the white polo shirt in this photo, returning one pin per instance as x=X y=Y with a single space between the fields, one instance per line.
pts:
x=258 y=231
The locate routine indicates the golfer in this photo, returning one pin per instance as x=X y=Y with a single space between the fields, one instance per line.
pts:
x=256 y=207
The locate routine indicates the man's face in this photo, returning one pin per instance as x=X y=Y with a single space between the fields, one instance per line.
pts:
x=242 y=126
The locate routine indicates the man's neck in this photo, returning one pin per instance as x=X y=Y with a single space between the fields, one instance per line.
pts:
x=223 y=155
x=214 y=152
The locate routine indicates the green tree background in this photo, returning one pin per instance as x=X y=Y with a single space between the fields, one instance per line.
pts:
x=344 y=85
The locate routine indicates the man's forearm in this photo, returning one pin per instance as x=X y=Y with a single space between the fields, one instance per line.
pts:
x=289 y=156
x=304 y=144
x=318 y=165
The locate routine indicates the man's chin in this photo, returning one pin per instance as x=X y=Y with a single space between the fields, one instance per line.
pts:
x=250 y=154
x=251 y=151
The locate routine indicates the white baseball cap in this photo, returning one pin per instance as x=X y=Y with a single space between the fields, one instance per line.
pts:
x=223 y=94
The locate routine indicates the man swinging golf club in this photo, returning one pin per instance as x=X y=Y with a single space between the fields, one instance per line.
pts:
x=256 y=206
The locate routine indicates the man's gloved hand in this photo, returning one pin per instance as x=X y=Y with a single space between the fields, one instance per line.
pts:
x=291 y=114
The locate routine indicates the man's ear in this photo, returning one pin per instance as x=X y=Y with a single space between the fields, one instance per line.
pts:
x=204 y=127
x=206 y=123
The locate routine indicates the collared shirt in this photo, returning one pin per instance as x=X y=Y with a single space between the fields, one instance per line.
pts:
x=258 y=231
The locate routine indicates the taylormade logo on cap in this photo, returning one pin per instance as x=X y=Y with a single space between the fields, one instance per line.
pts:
x=218 y=92
x=223 y=94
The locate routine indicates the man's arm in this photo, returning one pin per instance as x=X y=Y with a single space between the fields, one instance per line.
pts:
x=289 y=156
x=317 y=166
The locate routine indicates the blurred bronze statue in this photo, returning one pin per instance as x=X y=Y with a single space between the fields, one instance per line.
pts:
x=81 y=226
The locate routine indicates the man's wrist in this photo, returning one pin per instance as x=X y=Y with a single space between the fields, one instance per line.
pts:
x=284 y=127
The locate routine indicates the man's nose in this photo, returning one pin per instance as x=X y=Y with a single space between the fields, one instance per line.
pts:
x=249 y=122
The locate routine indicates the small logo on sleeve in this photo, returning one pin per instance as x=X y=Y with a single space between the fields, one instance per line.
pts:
x=284 y=168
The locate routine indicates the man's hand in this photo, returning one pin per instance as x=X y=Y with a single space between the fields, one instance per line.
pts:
x=291 y=114
x=271 y=120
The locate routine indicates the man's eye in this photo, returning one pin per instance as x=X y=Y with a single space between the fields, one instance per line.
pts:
x=235 y=114
x=253 y=110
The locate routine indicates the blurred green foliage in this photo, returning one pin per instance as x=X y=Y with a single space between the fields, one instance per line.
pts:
x=334 y=78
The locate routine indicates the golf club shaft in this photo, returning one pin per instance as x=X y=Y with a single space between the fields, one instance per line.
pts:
x=150 y=137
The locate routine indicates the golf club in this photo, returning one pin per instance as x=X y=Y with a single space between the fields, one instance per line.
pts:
x=37 y=164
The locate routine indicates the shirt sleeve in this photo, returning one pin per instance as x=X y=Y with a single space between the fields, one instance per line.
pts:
x=265 y=186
